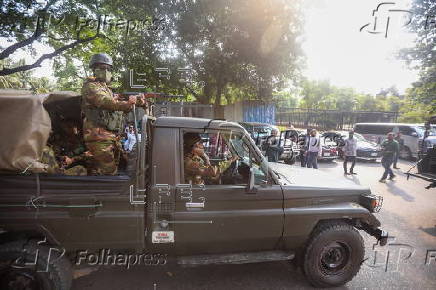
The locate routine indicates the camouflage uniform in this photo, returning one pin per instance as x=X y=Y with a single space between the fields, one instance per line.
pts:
x=196 y=169
x=103 y=114
x=52 y=166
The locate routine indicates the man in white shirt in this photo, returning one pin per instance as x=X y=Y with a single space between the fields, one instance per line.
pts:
x=131 y=139
x=350 y=151
x=314 y=149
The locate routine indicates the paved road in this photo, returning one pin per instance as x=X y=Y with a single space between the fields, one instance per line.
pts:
x=409 y=214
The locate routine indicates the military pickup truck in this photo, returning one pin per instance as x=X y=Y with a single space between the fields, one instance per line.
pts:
x=251 y=213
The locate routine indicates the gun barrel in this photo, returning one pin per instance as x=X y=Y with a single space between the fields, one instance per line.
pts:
x=152 y=95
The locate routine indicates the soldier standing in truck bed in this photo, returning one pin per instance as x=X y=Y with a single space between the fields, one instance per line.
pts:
x=103 y=116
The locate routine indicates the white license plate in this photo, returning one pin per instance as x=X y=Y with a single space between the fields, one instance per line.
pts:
x=162 y=237
x=373 y=154
x=327 y=154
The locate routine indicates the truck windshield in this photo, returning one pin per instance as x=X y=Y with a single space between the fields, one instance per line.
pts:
x=242 y=146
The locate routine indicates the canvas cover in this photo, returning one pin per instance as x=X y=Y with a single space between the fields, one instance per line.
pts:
x=25 y=126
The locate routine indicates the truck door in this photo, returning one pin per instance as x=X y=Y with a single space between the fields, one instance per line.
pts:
x=222 y=215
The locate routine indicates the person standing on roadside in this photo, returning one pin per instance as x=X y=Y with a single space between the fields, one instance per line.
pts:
x=401 y=144
x=390 y=147
x=350 y=151
x=303 y=149
x=272 y=147
x=313 y=150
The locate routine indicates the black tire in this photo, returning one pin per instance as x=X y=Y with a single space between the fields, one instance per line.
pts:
x=15 y=274
x=333 y=254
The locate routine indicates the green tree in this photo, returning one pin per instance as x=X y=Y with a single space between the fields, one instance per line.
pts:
x=314 y=92
x=246 y=44
x=25 y=22
x=25 y=80
x=423 y=55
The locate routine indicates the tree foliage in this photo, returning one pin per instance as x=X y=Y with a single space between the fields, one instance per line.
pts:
x=233 y=49
x=25 y=80
x=423 y=55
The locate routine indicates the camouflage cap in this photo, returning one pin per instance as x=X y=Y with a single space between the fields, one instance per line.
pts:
x=189 y=139
x=100 y=58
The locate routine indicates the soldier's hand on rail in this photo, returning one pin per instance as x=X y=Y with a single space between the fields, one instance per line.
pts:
x=132 y=100
x=142 y=102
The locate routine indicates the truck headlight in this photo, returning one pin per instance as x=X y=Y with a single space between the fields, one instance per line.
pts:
x=372 y=202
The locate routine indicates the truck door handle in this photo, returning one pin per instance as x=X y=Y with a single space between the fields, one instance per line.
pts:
x=196 y=204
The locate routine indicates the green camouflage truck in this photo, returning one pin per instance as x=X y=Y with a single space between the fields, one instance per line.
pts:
x=252 y=213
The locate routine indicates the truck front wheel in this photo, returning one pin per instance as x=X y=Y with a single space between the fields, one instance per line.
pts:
x=333 y=255
x=28 y=265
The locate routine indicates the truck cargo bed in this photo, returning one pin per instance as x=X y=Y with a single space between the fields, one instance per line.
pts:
x=62 y=184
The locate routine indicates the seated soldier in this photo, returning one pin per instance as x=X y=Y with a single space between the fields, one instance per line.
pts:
x=68 y=147
x=53 y=167
x=64 y=153
x=198 y=168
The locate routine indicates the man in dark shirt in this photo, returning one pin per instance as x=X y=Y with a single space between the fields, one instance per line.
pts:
x=390 y=147
x=272 y=147
x=303 y=148
x=401 y=144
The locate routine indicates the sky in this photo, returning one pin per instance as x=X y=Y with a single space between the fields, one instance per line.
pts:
x=335 y=48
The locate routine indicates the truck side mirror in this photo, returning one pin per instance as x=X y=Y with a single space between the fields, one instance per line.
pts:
x=250 y=186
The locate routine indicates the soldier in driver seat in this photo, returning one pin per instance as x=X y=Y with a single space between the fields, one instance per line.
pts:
x=198 y=168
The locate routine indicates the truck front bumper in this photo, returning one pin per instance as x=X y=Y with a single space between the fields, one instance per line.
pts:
x=381 y=235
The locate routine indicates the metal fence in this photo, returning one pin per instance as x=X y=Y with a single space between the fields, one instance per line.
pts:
x=329 y=119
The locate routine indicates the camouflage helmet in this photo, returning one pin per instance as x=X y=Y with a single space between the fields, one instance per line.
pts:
x=100 y=58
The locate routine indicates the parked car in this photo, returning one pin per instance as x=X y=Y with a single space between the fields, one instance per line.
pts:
x=259 y=132
x=291 y=147
x=329 y=148
x=366 y=150
x=412 y=134
x=427 y=157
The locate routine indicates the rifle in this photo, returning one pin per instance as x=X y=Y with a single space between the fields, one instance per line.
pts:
x=151 y=95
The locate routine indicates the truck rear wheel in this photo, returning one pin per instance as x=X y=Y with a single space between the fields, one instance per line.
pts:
x=30 y=266
x=333 y=255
